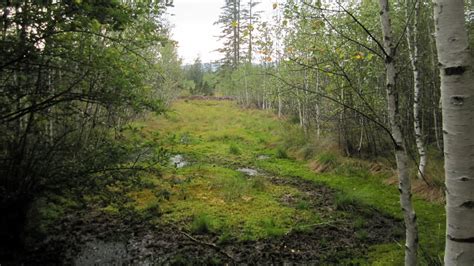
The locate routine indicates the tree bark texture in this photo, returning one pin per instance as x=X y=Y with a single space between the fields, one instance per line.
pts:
x=412 y=40
x=457 y=97
x=411 y=230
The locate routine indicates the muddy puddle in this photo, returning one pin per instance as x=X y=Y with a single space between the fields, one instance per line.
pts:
x=248 y=171
x=103 y=253
x=178 y=161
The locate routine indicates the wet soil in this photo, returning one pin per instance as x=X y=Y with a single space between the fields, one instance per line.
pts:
x=88 y=238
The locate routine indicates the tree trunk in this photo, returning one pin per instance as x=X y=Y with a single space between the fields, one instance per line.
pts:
x=435 y=94
x=279 y=102
x=318 y=111
x=411 y=231
x=412 y=41
x=457 y=98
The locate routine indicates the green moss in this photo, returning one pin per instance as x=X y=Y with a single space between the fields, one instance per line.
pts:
x=111 y=210
x=234 y=205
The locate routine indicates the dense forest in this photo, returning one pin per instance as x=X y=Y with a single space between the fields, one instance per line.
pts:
x=335 y=132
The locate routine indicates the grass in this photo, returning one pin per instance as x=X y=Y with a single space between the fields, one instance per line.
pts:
x=234 y=149
x=202 y=224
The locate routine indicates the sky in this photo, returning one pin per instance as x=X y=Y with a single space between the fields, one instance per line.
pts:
x=194 y=30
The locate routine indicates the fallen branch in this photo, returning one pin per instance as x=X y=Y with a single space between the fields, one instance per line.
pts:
x=212 y=245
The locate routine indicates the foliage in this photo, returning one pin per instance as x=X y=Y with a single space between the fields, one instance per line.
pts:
x=73 y=74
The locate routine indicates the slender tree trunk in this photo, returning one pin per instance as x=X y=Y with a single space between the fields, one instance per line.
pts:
x=250 y=32
x=279 y=102
x=411 y=231
x=298 y=104
x=435 y=87
x=412 y=41
x=361 y=138
x=238 y=31
x=457 y=98
x=235 y=36
x=318 y=111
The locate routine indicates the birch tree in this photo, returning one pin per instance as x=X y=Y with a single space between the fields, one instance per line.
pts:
x=457 y=97
x=411 y=231
x=413 y=12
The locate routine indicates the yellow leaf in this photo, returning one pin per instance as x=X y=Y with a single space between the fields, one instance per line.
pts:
x=358 y=56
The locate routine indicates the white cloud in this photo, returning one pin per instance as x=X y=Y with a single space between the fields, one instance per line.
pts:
x=194 y=30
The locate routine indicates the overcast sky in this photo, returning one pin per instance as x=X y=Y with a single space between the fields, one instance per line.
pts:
x=194 y=30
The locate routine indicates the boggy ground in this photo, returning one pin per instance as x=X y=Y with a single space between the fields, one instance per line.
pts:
x=230 y=193
x=346 y=233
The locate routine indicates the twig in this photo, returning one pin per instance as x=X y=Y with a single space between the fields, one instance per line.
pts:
x=212 y=245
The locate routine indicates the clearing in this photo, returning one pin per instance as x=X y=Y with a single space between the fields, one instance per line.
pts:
x=230 y=194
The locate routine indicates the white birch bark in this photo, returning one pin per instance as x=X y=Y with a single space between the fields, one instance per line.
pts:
x=412 y=40
x=318 y=111
x=411 y=230
x=457 y=98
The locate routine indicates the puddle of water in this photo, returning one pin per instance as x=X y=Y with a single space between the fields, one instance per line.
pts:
x=248 y=171
x=178 y=161
x=103 y=253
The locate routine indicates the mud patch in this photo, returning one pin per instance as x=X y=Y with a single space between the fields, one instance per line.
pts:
x=248 y=171
x=99 y=252
x=263 y=157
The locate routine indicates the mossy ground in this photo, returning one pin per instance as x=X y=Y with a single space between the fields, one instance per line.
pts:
x=209 y=195
x=209 y=131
